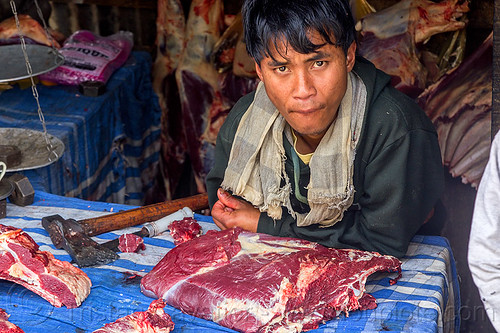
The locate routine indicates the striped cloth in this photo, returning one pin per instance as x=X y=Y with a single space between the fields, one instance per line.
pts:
x=112 y=141
x=425 y=299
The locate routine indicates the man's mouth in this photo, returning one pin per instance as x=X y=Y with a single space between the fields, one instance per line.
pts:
x=306 y=111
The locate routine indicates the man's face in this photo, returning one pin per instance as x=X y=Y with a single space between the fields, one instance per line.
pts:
x=307 y=88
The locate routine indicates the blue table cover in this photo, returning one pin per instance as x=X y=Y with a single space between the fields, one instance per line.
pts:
x=112 y=141
x=425 y=299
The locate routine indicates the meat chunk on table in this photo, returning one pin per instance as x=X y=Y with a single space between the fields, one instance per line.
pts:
x=21 y=261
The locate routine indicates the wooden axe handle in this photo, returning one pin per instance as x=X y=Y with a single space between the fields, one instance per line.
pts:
x=128 y=218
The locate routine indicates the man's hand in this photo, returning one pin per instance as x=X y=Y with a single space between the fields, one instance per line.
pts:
x=231 y=212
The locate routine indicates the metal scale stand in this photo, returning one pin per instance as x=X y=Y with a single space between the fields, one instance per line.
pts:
x=26 y=149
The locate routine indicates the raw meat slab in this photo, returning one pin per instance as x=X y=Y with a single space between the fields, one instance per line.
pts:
x=260 y=283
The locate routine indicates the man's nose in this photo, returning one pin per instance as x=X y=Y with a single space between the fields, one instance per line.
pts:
x=304 y=85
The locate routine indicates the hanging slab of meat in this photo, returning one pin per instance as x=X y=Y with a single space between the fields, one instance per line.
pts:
x=460 y=105
x=197 y=80
x=204 y=93
x=154 y=320
x=29 y=27
x=184 y=230
x=6 y=326
x=260 y=283
x=21 y=261
x=391 y=38
x=170 y=28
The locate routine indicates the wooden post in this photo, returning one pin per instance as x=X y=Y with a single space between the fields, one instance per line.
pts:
x=495 y=112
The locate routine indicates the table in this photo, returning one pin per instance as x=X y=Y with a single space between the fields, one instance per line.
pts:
x=425 y=299
x=112 y=141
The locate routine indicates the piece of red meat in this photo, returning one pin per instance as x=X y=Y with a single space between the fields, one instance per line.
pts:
x=154 y=320
x=254 y=282
x=21 y=261
x=184 y=230
x=130 y=243
x=6 y=326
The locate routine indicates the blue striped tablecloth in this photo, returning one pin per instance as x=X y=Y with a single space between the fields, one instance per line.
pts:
x=112 y=141
x=425 y=299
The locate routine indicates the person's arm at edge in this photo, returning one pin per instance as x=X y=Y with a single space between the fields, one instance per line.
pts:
x=484 y=255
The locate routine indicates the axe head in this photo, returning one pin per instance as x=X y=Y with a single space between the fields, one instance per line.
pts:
x=69 y=235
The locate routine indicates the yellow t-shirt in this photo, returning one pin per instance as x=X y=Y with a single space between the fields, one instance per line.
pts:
x=304 y=157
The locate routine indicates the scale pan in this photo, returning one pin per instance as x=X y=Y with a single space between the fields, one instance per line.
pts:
x=34 y=152
x=41 y=58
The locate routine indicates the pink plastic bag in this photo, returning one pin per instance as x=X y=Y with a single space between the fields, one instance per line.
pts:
x=89 y=57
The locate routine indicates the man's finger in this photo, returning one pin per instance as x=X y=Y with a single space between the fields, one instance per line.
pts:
x=227 y=199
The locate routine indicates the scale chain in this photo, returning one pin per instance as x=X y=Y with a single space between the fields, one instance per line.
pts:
x=34 y=90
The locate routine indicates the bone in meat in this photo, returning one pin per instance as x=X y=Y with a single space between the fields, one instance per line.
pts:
x=59 y=282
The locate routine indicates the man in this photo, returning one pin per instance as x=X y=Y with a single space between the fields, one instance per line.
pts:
x=324 y=149
x=484 y=253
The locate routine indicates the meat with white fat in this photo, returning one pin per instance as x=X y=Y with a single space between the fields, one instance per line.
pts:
x=6 y=326
x=154 y=320
x=254 y=282
x=21 y=261
x=184 y=230
x=130 y=243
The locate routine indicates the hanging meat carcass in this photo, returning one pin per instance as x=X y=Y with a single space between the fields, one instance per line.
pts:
x=197 y=79
x=459 y=105
x=206 y=95
x=170 y=27
x=391 y=38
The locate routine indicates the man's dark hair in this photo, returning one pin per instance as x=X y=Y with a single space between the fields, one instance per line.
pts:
x=268 y=22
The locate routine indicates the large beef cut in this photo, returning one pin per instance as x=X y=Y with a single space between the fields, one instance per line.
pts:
x=460 y=105
x=21 y=261
x=254 y=282
x=6 y=326
x=154 y=320
x=392 y=38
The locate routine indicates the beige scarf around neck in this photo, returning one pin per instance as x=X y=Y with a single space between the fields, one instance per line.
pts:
x=256 y=163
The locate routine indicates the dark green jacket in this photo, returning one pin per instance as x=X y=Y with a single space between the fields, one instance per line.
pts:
x=398 y=174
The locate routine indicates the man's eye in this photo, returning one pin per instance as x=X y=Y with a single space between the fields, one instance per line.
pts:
x=319 y=63
x=281 y=69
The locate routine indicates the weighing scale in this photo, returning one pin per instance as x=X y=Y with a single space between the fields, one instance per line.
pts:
x=35 y=149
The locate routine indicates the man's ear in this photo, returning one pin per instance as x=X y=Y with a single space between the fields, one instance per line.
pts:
x=351 y=56
x=258 y=70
